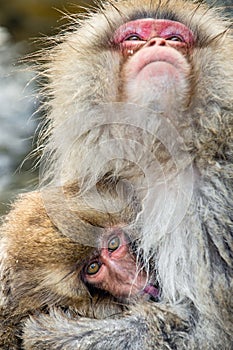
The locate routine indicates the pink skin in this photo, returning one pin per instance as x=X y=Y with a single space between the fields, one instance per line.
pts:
x=146 y=29
x=117 y=272
x=156 y=52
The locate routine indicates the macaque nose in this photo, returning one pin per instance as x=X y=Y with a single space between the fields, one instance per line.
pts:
x=156 y=41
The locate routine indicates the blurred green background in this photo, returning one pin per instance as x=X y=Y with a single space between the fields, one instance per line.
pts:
x=21 y=22
x=30 y=18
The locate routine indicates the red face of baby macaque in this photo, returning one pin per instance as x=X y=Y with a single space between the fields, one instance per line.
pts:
x=115 y=269
x=156 y=52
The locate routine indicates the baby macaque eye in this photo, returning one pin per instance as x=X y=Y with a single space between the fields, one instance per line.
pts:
x=93 y=268
x=133 y=37
x=113 y=244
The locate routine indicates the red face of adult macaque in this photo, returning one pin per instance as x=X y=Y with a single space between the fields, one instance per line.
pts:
x=156 y=67
x=115 y=269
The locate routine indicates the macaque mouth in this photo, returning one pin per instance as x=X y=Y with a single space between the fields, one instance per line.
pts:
x=170 y=57
x=159 y=62
x=160 y=65
x=152 y=291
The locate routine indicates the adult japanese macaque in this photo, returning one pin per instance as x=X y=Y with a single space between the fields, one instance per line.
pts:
x=140 y=94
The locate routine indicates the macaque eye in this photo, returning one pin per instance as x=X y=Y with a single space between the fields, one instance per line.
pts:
x=114 y=244
x=133 y=37
x=175 y=38
x=93 y=268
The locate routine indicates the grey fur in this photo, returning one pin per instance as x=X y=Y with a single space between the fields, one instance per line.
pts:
x=193 y=261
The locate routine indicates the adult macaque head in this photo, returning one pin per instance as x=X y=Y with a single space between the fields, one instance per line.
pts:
x=158 y=71
x=152 y=55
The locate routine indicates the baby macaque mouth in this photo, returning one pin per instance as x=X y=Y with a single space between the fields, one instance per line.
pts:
x=152 y=291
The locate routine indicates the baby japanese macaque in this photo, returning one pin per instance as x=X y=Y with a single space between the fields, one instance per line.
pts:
x=50 y=270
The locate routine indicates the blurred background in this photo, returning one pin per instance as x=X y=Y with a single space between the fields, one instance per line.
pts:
x=21 y=23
